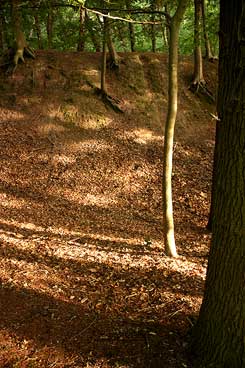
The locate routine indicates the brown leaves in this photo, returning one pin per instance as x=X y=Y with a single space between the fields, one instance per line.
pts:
x=84 y=279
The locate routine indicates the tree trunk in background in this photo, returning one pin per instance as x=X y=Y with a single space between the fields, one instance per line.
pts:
x=114 y=58
x=208 y=55
x=165 y=29
x=131 y=28
x=132 y=36
x=121 y=36
x=103 y=60
x=93 y=35
x=82 y=27
x=50 y=20
x=198 y=64
x=153 y=28
x=38 y=30
x=16 y=16
x=219 y=335
x=170 y=247
x=2 y=43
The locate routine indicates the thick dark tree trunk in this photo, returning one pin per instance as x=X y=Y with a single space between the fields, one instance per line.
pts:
x=219 y=335
x=211 y=211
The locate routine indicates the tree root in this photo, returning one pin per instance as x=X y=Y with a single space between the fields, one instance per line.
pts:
x=112 y=64
x=200 y=88
x=108 y=100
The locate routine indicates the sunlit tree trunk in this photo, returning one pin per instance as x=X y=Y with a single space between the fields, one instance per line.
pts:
x=219 y=335
x=170 y=247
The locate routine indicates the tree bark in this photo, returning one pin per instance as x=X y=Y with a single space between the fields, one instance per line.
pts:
x=219 y=335
x=211 y=210
x=169 y=240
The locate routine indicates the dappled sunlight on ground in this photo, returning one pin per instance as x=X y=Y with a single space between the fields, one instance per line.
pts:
x=84 y=278
x=143 y=136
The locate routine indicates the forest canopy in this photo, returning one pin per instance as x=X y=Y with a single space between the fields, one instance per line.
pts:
x=59 y=22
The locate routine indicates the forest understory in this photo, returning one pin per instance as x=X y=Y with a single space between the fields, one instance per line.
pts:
x=84 y=278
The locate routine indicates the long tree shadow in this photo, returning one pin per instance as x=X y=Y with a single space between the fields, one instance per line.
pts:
x=79 y=217
x=122 y=315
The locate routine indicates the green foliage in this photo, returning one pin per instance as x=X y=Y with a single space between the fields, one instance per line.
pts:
x=66 y=24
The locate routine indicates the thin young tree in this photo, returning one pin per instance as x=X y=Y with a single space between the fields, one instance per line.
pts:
x=175 y=23
x=219 y=335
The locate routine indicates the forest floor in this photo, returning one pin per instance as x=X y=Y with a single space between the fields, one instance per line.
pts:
x=84 y=281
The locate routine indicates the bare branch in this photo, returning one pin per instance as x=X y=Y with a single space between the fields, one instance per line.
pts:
x=119 y=18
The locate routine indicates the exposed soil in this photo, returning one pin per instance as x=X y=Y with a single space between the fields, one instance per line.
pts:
x=84 y=278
